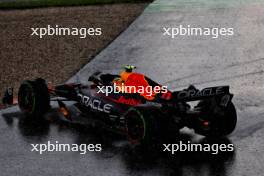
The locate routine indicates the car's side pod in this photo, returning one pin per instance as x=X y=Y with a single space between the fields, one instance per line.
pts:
x=193 y=94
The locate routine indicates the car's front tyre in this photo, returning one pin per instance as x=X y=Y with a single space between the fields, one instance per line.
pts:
x=34 y=98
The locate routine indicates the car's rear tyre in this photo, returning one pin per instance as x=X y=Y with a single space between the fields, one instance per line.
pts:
x=34 y=98
x=141 y=126
x=136 y=126
x=222 y=120
x=148 y=126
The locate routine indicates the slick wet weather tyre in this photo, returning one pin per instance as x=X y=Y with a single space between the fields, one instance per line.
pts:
x=34 y=98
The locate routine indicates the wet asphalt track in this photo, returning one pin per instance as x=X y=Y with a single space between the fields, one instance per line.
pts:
x=237 y=61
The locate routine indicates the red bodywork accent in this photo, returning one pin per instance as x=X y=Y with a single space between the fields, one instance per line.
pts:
x=123 y=100
x=138 y=80
x=129 y=101
x=166 y=96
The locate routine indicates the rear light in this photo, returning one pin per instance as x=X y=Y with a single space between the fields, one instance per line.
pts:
x=206 y=123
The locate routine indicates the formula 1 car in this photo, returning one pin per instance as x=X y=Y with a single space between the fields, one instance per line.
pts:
x=141 y=120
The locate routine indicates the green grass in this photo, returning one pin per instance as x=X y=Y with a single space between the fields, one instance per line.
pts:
x=22 y=4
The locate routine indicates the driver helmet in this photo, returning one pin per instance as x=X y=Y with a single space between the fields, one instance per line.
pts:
x=125 y=74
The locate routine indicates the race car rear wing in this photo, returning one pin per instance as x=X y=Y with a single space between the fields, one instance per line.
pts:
x=193 y=94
